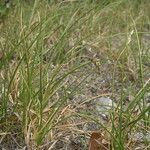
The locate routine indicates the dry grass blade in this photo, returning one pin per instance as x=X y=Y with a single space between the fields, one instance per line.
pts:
x=1 y=55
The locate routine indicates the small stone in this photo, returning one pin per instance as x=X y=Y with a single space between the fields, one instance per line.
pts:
x=104 y=104
x=103 y=107
x=140 y=137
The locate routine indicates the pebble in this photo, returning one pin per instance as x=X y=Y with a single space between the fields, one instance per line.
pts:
x=104 y=106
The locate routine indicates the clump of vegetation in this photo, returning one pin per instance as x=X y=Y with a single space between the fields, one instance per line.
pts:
x=58 y=57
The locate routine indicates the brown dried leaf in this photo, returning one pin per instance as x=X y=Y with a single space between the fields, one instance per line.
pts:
x=98 y=142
